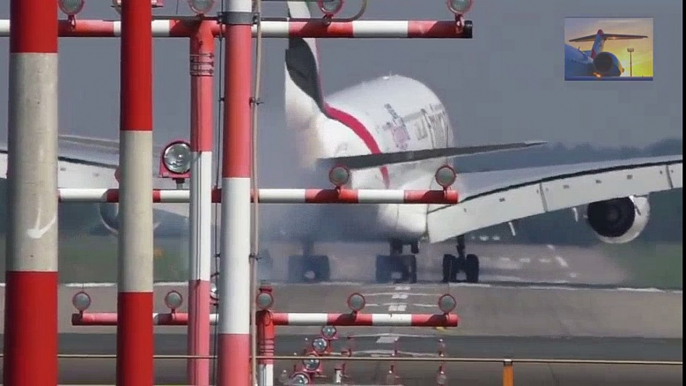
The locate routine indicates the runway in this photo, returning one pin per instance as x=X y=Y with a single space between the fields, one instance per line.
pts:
x=500 y=262
x=552 y=321
x=101 y=371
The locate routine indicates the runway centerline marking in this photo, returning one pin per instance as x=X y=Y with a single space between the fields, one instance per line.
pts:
x=544 y=260
x=562 y=262
x=399 y=296
x=525 y=260
x=389 y=339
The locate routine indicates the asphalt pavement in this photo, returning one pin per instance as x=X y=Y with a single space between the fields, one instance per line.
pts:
x=524 y=318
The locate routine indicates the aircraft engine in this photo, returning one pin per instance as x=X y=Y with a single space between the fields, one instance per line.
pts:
x=607 y=64
x=619 y=220
x=109 y=216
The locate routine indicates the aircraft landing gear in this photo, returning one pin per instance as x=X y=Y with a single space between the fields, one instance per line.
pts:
x=396 y=262
x=308 y=268
x=468 y=264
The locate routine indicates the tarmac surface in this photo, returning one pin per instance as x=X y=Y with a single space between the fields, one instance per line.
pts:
x=535 y=309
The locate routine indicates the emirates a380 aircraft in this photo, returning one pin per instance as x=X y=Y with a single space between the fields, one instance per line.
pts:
x=394 y=133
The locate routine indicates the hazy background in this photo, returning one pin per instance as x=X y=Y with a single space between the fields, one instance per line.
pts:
x=506 y=84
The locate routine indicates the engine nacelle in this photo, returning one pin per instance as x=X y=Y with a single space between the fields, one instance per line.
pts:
x=607 y=64
x=619 y=220
x=109 y=216
x=164 y=224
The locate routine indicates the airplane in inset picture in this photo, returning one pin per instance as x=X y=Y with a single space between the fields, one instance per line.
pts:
x=393 y=132
x=597 y=63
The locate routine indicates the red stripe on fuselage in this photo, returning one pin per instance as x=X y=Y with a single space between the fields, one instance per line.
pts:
x=361 y=131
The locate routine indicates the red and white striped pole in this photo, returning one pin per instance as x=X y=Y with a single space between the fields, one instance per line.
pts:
x=201 y=69
x=234 y=284
x=31 y=277
x=135 y=273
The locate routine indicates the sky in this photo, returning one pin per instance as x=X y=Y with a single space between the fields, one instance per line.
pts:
x=642 y=57
x=505 y=85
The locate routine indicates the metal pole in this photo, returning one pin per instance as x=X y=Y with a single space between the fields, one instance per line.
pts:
x=234 y=285
x=201 y=69
x=135 y=271
x=265 y=345
x=31 y=276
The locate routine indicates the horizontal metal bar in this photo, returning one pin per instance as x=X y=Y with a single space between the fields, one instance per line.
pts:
x=289 y=319
x=401 y=359
x=184 y=27
x=280 y=196
x=479 y=360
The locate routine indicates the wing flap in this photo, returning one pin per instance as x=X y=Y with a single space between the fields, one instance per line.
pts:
x=547 y=189
x=483 y=212
x=569 y=192
x=377 y=160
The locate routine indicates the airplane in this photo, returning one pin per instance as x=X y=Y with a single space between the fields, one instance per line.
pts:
x=596 y=63
x=393 y=132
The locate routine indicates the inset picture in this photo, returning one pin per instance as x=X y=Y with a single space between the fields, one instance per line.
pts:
x=603 y=49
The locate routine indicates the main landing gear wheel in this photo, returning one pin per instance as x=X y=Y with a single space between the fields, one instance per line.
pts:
x=405 y=265
x=453 y=265
x=308 y=269
x=471 y=268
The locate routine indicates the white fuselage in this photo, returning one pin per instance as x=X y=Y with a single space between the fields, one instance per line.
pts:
x=388 y=114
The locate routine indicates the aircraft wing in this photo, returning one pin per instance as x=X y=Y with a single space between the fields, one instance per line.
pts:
x=86 y=162
x=496 y=197
x=376 y=160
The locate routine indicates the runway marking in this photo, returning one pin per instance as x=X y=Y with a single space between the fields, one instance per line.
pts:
x=525 y=260
x=544 y=260
x=503 y=258
x=551 y=247
x=395 y=293
x=507 y=264
x=382 y=334
x=397 y=307
x=562 y=262
x=388 y=339
x=573 y=275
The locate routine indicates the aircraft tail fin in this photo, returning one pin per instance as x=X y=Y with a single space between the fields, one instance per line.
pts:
x=303 y=87
x=600 y=37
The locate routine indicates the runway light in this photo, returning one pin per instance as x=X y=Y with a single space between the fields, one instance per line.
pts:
x=70 y=7
x=173 y=300
x=177 y=157
x=356 y=302
x=214 y=293
x=441 y=378
x=339 y=175
x=320 y=345
x=330 y=7
x=329 y=332
x=81 y=301
x=264 y=300
x=299 y=379
x=459 y=7
x=445 y=176
x=447 y=303
x=201 y=7
x=312 y=363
